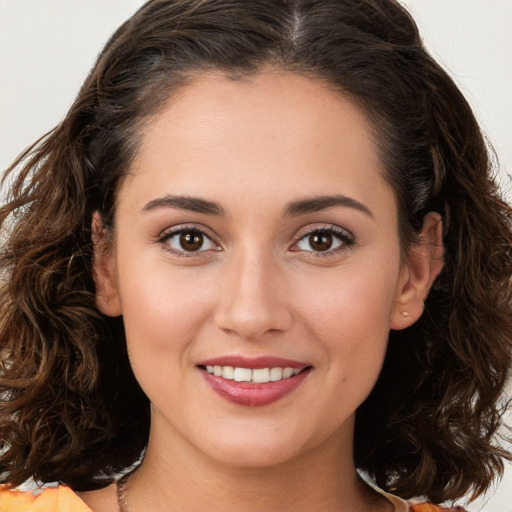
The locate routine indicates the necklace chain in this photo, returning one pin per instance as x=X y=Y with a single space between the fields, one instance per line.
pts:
x=121 y=494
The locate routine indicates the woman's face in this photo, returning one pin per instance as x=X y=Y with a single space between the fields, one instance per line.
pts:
x=256 y=233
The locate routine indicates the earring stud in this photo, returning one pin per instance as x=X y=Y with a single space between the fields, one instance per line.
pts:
x=406 y=313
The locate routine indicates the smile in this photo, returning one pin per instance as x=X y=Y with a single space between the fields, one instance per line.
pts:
x=253 y=381
x=257 y=375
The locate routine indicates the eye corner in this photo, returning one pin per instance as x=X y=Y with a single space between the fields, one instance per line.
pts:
x=200 y=242
x=332 y=240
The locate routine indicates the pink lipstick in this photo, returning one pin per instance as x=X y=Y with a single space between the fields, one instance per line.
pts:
x=253 y=381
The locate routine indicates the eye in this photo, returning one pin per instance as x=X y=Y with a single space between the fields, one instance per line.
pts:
x=325 y=240
x=188 y=240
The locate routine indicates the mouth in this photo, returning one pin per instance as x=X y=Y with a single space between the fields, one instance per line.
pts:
x=253 y=382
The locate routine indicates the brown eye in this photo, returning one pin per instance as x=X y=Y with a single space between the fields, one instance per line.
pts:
x=320 y=241
x=325 y=240
x=191 y=240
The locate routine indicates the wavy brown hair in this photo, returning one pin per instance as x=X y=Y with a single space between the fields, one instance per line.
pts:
x=70 y=408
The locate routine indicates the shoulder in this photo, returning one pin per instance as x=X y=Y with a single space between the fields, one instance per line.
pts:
x=51 y=499
x=428 y=507
x=415 y=505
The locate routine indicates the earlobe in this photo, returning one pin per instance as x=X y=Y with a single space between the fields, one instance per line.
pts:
x=107 y=296
x=424 y=264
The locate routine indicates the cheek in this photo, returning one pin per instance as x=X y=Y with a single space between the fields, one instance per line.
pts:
x=350 y=316
x=163 y=314
x=358 y=297
x=163 y=311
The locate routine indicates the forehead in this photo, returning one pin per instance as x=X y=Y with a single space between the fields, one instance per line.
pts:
x=265 y=105
x=275 y=130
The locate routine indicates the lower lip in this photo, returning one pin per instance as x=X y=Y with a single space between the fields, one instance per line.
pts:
x=254 y=395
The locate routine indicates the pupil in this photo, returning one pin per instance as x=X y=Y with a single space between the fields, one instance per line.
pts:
x=321 y=241
x=191 y=241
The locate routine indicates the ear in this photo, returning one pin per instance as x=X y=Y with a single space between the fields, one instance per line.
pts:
x=423 y=265
x=107 y=296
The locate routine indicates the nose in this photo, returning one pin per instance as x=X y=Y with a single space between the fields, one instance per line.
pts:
x=253 y=298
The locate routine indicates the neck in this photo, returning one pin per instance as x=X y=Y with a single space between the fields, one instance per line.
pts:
x=185 y=479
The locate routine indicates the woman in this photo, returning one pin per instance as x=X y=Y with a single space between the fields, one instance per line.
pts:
x=263 y=249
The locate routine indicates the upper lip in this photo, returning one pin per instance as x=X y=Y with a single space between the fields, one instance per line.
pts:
x=254 y=362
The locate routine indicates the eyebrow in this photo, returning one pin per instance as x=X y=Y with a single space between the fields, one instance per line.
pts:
x=293 y=209
x=319 y=203
x=188 y=203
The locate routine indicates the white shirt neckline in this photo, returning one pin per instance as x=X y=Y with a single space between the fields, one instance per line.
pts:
x=399 y=504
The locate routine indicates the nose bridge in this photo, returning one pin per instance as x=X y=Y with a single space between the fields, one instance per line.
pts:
x=252 y=301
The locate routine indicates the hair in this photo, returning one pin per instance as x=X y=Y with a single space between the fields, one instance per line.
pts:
x=70 y=407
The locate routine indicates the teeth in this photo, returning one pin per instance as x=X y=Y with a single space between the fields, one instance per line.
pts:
x=276 y=374
x=228 y=372
x=242 y=374
x=287 y=373
x=258 y=375
x=261 y=375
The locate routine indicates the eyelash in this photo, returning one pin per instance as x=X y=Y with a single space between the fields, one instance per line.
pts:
x=345 y=238
x=165 y=238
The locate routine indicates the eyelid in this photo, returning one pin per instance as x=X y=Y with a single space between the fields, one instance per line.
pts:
x=168 y=233
x=346 y=237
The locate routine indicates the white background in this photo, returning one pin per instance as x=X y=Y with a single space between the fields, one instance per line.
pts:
x=48 y=46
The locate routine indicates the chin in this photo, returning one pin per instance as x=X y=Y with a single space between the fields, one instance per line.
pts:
x=259 y=459
x=255 y=452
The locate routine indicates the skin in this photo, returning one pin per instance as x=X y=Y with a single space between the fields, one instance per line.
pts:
x=257 y=287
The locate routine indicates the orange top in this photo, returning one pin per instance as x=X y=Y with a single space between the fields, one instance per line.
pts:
x=428 y=507
x=51 y=499
x=63 y=499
